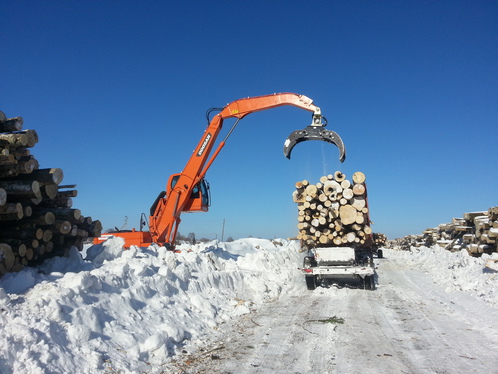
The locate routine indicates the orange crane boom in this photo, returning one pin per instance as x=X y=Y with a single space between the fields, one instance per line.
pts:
x=189 y=192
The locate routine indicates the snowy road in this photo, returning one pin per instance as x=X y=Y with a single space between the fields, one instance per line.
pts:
x=408 y=325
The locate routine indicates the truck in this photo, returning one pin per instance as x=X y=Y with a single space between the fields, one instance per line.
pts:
x=189 y=191
x=334 y=231
x=339 y=263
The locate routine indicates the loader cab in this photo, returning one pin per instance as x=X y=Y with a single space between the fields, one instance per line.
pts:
x=200 y=198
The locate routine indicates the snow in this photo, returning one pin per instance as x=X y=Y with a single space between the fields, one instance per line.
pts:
x=455 y=271
x=128 y=310
x=131 y=311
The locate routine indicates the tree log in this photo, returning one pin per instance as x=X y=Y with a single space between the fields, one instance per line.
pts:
x=63 y=227
x=60 y=213
x=11 y=124
x=16 y=140
x=358 y=203
x=358 y=189
x=46 y=176
x=69 y=193
x=65 y=202
x=49 y=191
x=339 y=177
x=347 y=193
x=21 y=187
x=11 y=211
x=348 y=214
x=3 y=196
x=41 y=218
x=336 y=216
x=22 y=233
x=359 y=177
x=32 y=137
x=7 y=256
x=18 y=169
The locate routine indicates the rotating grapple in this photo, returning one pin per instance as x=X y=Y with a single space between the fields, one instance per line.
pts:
x=315 y=131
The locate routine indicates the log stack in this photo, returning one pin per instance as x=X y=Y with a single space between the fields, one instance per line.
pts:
x=476 y=232
x=37 y=219
x=333 y=212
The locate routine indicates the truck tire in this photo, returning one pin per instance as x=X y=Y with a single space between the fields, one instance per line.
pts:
x=310 y=282
x=380 y=254
x=369 y=282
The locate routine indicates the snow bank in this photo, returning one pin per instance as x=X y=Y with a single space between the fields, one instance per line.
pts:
x=128 y=310
x=456 y=271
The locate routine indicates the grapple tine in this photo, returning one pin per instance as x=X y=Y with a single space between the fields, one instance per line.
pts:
x=314 y=133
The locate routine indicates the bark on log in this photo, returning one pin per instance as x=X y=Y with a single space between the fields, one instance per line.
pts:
x=11 y=124
x=46 y=176
x=41 y=218
x=64 y=202
x=60 y=213
x=16 y=140
x=36 y=215
x=49 y=191
x=9 y=210
x=18 y=170
x=7 y=256
x=70 y=193
x=3 y=196
x=32 y=137
x=21 y=187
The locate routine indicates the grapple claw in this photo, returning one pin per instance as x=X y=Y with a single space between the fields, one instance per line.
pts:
x=314 y=133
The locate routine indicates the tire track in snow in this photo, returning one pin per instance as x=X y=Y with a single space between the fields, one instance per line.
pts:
x=284 y=340
x=408 y=325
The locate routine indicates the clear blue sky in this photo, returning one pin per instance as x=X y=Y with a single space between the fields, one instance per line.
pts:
x=118 y=90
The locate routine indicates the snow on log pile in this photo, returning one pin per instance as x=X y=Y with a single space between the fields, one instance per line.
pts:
x=333 y=212
x=476 y=232
x=37 y=220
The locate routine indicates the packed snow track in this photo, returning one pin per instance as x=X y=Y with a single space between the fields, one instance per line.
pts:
x=408 y=325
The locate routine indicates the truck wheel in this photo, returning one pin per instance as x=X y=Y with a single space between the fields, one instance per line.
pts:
x=369 y=282
x=380 y=254
x=310 y=282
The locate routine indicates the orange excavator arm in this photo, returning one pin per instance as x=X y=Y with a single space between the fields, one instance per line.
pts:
x=181 y=189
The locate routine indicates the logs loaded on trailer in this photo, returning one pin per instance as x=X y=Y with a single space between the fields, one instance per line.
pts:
x=333 y=212
x=37 y=219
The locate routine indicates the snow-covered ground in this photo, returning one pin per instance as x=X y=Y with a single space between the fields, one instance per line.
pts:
x=133 y=311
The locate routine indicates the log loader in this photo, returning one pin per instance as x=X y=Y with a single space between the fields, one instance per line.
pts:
x=188 y=191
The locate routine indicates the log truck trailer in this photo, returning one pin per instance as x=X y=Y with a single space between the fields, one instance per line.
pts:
x=188 y=191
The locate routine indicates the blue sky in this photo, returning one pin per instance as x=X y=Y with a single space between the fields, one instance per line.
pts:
x=118 y=90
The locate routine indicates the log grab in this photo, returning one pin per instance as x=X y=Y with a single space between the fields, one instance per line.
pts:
x=188 y=191
x=315 y=131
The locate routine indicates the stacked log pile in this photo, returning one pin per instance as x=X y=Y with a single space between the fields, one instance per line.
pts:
x=379 y=240
x=476 y=232
x=37 y=219
x=333 y=212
